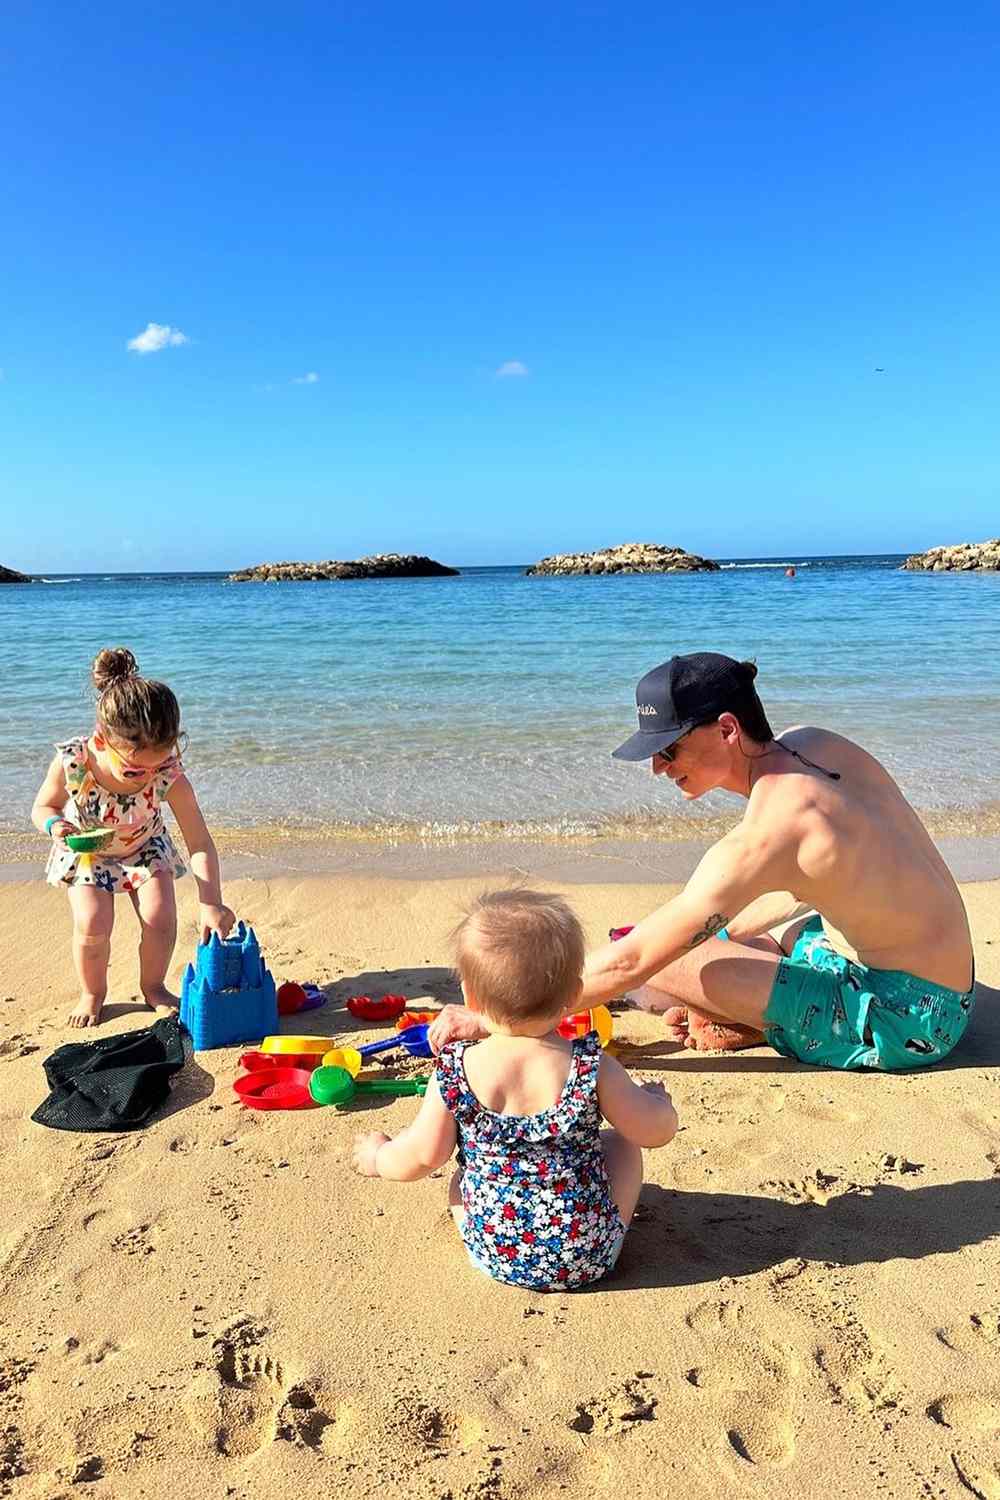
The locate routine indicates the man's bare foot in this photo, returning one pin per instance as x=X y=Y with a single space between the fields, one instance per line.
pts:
x=702 y=1033
x=87 y=1011
x=160 y=1000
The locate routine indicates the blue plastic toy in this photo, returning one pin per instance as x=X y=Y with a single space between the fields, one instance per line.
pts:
x=414 y=1039
x=228 y=995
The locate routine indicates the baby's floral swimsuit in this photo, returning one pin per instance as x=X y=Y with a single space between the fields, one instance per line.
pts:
x=538 y=1205
x=142 y=847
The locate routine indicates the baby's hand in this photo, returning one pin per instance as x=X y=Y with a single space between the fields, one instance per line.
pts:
x=365 y=1151
x=455 y=1023
x=216 y=919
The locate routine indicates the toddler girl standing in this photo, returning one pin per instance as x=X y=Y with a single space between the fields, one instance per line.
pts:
x=116 y=778
x=543 y=1196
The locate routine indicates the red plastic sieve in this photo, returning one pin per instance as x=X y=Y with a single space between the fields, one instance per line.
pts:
x=275 y=1088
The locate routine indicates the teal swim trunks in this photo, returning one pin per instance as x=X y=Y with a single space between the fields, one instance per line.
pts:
x=827 y=1010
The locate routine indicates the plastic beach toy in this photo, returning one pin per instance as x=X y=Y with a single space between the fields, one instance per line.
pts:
x=331 y=1085
x=617 y=933
x=255 y=1062
x=227 y=994
x=319 y=1044
x=343 y=1057
x=414 y=1039
x=275 y=1088
x=364 y=1008
x=598 y=1019
x=291 y=998
x=315 y=997
x=91 y=841
x=416 y=1018
x=86 y=845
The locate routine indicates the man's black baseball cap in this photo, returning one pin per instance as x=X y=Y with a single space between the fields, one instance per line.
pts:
x=682 y=693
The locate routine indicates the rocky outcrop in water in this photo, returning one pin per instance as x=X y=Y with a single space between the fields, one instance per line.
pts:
x=383 y=565
x=630 y=557
x=963 y=557
x=10 y=575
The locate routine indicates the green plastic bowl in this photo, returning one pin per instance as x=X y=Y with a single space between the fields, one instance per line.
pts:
x=89 y=843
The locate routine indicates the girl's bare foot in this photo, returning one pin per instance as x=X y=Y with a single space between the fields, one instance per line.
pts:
x=87 y=1012
x=702 y=1033
x=160 y=1000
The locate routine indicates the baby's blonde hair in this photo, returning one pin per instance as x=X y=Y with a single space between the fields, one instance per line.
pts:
x=520 y=953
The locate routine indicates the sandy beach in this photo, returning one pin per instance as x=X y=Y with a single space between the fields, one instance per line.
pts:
x=216 y=1306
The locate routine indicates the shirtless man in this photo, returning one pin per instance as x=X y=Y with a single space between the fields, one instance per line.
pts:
x=826 y=923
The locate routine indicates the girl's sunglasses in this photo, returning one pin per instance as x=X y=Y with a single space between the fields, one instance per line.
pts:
x=130 y=772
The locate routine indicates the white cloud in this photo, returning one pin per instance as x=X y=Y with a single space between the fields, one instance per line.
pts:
x=311 y=379
x=157 y=336
x=512 y=367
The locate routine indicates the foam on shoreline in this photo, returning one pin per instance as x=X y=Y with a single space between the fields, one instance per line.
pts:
x=620 y=850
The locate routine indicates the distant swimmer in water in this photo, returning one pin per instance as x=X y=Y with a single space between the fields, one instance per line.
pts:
x=789 y=572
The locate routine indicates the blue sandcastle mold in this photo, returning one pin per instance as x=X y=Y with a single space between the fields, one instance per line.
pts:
x=228 y=994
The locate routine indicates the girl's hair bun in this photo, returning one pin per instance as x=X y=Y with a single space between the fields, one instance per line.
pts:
x=113 y=664
x=750 y=668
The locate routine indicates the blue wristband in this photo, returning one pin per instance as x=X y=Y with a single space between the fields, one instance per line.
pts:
x=56 y=818
x=723 y=933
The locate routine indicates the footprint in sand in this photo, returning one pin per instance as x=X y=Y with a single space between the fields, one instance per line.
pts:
x=237 y=1406
x=855 y=1368
x=302 y=1420
x=16 y=1046
x=828 y=1111
x=819 y=1187
x=246 y=1403
x=434 y=1428
x=618 y=1410
x=984 y=1122
x=980 y=1477
x=135 y=1241
x=980 y=1330
x=967 y=1413
x=751 y=1379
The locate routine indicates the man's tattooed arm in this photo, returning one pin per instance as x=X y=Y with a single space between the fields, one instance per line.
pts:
x=710 y=928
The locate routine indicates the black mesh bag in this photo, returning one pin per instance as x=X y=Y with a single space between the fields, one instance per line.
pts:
x=114 y=1084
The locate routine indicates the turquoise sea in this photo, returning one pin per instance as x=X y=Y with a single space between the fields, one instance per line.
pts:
x=495 y=699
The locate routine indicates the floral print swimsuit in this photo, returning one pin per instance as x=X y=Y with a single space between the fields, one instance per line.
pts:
x=538 y=1206
x=142 y=847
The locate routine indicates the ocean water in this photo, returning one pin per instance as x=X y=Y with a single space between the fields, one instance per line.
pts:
x=490 y=702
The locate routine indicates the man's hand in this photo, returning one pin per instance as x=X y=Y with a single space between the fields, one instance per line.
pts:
x=366 y=1150
x=456 y=1023
x=215 y=919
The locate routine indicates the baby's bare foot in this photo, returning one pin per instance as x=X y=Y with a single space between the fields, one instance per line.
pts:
x=160 y=1000
x=701 y=1033
x=87 y=1011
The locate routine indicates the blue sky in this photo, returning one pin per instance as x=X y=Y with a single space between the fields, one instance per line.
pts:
x=564 y=275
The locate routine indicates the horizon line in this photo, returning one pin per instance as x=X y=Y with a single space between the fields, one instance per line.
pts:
x=779 y=557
